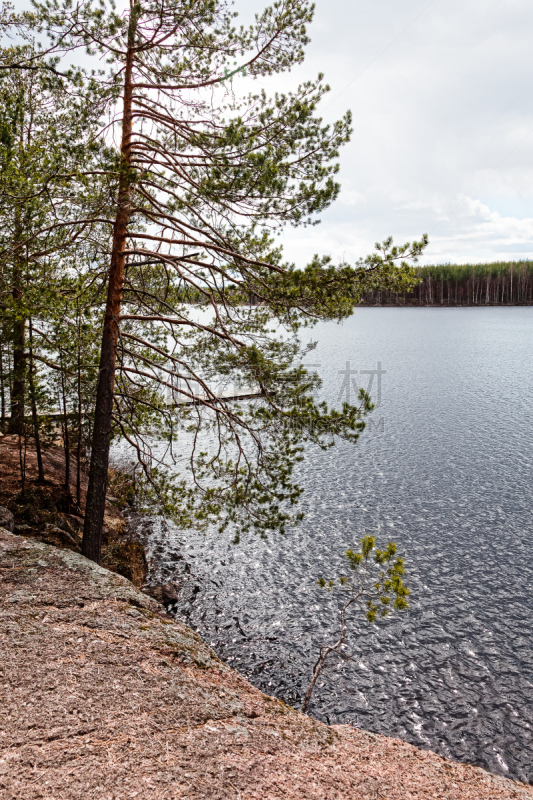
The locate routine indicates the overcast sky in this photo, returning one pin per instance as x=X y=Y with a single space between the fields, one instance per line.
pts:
x=442 y=98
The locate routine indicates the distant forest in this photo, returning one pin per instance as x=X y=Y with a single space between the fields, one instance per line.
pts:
x=497 y=284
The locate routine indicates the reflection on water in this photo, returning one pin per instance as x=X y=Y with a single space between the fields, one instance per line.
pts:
x=445 y=471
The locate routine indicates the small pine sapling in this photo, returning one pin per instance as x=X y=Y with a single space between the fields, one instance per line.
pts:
x=375 y=585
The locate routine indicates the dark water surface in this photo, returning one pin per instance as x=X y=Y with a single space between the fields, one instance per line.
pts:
x=446 y=471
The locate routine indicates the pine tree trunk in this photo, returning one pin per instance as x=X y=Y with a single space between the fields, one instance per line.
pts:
x=22 y=460
x=19 y=374
x=80 y=421
x=96 y=492
x=2 y=391
x=18 y=391
x=35 y=418
x=66 y=442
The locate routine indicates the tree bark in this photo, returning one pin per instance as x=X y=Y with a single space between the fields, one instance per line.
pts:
x=96 y=492
x=16 y=423
x=80 y=419
x=34 y=415
x=2 y=391
x=66 y=443
x=22 y=460
x=326 y=651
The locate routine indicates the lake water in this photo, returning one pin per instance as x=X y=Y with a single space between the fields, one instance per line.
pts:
x=446 y=472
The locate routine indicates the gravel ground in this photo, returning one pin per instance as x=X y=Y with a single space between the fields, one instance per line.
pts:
x=104 y=696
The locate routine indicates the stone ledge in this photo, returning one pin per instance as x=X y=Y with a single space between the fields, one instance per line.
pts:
x=103 y=695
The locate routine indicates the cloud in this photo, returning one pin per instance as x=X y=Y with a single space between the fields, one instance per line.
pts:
x=350 y=198
x=443 y=126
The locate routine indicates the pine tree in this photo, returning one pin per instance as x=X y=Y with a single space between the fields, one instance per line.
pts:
x=207 y=173
x=42 y=145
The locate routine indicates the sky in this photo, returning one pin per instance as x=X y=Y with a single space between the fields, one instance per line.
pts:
x=442 y=99
x=442 y=102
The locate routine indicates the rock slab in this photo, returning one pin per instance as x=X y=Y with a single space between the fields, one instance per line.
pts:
x=102 y=695
x=7 y=520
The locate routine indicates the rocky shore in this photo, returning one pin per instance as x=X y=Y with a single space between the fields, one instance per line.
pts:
x=48 y=512
x=105 y=696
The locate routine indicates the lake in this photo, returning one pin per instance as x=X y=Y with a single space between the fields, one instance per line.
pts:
x=445 y=470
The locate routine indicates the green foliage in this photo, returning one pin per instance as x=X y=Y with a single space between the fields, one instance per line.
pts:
x=461 y=273
x=211 y=174
x=377 y=582
x=494 y=283
x=375 y=585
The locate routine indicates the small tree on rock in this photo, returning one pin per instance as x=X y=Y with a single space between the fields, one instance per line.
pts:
x=375 y=585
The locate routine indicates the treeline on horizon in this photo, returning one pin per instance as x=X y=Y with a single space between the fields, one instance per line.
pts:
x=498 y=283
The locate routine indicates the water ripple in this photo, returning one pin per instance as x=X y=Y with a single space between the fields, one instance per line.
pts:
x=448 y=476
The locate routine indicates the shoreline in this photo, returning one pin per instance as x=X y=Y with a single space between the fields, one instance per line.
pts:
x=122 y=556
x=104 y=694
x=444 y=305
x=44 y=513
